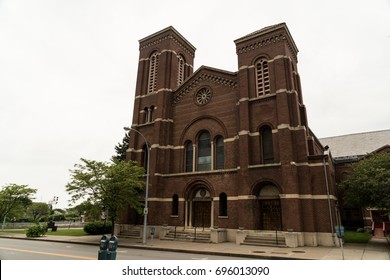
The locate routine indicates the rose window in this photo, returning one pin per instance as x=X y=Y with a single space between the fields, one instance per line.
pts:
x=203 y=96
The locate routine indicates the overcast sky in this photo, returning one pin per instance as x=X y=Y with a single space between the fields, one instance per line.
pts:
x=68 y=69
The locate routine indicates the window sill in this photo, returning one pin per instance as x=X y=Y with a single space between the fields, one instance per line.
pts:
x=265 y=165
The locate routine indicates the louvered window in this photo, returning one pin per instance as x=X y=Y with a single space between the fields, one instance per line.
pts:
x=153 y=73
x=262 y=75
x=180 y=71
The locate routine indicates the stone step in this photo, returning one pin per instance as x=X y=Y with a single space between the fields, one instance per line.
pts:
x=378 y=232
x=200 y=236
x=265 y=240
x=267 y=233
x=187 y=236
x=274 y=244
x=132 y=233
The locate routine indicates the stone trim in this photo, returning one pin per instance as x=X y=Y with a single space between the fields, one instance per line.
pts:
x=265 y=165
x=269 y=40
x=163 y=51
x=227 y=140
x=197 y=173
x=253 y=197
x=154 y=92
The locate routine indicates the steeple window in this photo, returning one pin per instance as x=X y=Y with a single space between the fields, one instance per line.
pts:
x=153 y=65
x=180 y=70
x=262 y=77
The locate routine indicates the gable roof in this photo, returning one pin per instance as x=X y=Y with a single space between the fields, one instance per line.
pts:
x=358 y=144
x=213 y=75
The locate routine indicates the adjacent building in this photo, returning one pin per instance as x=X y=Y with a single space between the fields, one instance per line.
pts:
x=347 y=149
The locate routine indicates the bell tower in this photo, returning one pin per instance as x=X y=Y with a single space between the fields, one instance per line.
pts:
x=166 y=59
x=267 y=59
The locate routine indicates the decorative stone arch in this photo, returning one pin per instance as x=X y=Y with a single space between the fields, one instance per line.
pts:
x=267 y=206
x=191 y=132
x=152 y=51
x=215 y=127
x=199 y=205
x=260 y=57
x=263 y=124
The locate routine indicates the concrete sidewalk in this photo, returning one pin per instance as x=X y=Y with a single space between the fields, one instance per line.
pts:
x=375 y=249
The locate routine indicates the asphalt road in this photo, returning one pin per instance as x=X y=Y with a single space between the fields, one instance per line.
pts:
x=20 y=249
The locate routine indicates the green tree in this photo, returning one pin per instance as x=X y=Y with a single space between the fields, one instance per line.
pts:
x=13 y=197
x=121 y=148
x=113 y=186
x=37 y=211
x=368 y=185
x=91 y=211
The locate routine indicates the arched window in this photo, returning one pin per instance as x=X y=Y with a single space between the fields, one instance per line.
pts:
x=262 y=77
x=223 y=204
x=144 y=159
x=151 y=109
x=175 y=205
x=204 y=151
x=146 y=115
x=266 y=145
x=153 y=64
x=219 y=153
x=189 y=154
x=180 y=70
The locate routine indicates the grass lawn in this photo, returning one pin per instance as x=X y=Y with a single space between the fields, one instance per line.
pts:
x=60 y=232
x=356 y=237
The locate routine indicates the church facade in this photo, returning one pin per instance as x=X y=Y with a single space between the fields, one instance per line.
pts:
x=230 y=150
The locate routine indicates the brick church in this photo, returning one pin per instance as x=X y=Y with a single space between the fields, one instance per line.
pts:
x=230 y=151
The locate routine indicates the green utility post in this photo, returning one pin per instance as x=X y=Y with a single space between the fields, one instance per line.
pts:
x=340 y=235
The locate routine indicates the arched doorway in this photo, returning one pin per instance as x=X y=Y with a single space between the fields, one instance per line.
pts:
x=269 y=206
x=199 y=207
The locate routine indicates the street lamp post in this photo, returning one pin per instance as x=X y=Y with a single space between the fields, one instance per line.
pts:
x=326 y=155
x=146 y=210
x=52 y=202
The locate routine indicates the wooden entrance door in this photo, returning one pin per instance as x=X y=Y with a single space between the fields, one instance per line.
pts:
x=270 y=214
x=201 y=214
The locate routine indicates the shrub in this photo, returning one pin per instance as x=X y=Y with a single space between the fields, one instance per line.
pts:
x=97 y=228
x=356 y=237
x=36 y=230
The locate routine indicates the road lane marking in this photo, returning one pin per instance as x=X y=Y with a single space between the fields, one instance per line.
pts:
x=47 y=253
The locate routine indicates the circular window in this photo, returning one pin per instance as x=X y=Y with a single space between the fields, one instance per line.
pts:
x=203 y=96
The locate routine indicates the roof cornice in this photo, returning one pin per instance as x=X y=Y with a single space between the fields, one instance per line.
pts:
x=266 y=36
x=167 y=33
